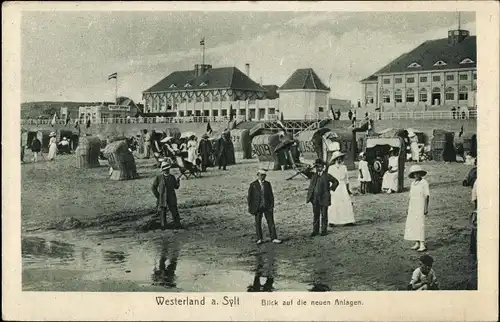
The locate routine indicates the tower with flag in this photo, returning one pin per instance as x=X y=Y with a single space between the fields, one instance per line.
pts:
x=115 y=77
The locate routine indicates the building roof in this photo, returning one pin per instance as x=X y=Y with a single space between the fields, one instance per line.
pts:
x=304 y=78
x=372 y=78
x=271 y=91
x=213 y=78
x=425 y=57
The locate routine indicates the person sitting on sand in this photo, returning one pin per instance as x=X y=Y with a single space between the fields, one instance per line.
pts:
x=424 y=277
x=390 y=178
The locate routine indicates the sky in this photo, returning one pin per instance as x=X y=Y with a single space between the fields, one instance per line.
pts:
x=67 y=56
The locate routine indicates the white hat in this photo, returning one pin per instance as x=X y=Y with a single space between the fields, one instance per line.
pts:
x=336 y=155
x=361 y=154
x=52 y=134
x=262 y=171
x=165 y=165
x=414 y=169
x=64 y=138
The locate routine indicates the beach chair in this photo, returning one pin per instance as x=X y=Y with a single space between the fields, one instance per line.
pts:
x=186 y=168
x=301 y=169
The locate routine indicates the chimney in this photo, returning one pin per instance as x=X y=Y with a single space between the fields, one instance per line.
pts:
x=247 y=69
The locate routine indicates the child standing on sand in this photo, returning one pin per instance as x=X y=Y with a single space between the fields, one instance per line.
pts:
x=364 y=176
x=417 y=208
x=424 y=277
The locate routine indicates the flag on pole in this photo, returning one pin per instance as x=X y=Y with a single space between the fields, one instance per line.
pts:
x=281 y=125
x=281 y=117
x=88 y=123
x=461 y=131
x=67 y=120
x=53 y=122
x=202 y=41
x=230 y=112
x=113 y=76
x=209 y=128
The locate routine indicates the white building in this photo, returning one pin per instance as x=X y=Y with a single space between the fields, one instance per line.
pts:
x=437 y=75
x=303 y=96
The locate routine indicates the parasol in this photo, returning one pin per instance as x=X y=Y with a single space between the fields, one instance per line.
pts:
x=283 y=145
x=187 y=134
x=166 y=139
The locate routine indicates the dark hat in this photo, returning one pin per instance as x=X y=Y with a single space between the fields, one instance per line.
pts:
x=318 y=162
x=427 y=260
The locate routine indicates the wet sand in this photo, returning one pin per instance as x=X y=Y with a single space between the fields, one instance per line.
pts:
x=83 y=232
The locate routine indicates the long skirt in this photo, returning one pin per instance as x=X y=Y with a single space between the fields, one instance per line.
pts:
x=341 y=211
x=415 y=153
x=390 y=181
x=52 y=151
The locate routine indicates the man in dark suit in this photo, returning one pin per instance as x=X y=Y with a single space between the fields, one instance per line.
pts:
x=164 y=186
x=319 y=195
x=205 y=150
x=261 y=202
x=222 y=150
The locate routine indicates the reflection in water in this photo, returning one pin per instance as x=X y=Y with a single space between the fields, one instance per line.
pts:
x=116 y=257
x=36 y=246
x=320 y=272
x=265 y=267
x=165 y=274
x=318 y=287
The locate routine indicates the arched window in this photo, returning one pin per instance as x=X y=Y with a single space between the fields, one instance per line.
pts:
x=398 y=96
x=369 y=98
x=410 y=95
x=463 y=93
x=450 y=94
x=387 y=96
x=422 y=95
x=436 y=90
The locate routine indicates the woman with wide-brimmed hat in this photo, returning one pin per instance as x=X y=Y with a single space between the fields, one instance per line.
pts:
x=341 y=211
x=52 y=146
x=417 y=208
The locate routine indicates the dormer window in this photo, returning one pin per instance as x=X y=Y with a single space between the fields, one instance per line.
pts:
x=467 y=61
x=414 y=65
x=173 y=86
x=203 y=84
x=440 y=63
x=188 y=85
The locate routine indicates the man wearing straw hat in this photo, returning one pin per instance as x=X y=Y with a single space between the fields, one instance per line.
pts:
x=261 y=202
x=163 y=188
x=319 y=195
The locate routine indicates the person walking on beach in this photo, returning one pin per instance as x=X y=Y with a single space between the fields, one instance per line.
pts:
x=52 y=146
x=36 y=147
x=147 y=144
x=261 y=202
x=222 y=150
x=163 y=188
x=205 y=151
x=319 y=195
x=340 y=213
x=417 y=208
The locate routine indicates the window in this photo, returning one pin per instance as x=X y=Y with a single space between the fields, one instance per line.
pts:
x=464 y=77
x=467 y=61
x=387 y=96
x=398 y=96
x=463 y=94
x=203 y=84
x=474 y=76
x=188 y=85
x=173 y=86
x=320 y=109
x=423 y=79
x=398 y=80
x=414 y=65
x=387 y=80
x=410 y=95
x=449 y=94
x=450 y=77
x=369 y=98
x=436 y=90
x=410 y=80
x=436 y=78
x=422 y=95
x=440 y=63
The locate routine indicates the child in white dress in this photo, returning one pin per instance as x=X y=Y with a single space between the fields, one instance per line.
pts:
x=390 y=178
x=417 y=208
x=424 y=277
x=364 y=175
x=341 y=211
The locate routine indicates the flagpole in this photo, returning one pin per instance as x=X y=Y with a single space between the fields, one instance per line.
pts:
x=116 y=89
x=203 y=53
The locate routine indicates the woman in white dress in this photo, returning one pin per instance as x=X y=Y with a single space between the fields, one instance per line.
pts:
x=192 y=149
x=52 y=146
x=417 y=208
x=390 y=178
x=341 y=211
x=415 y=151
x=364 y=176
